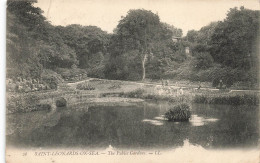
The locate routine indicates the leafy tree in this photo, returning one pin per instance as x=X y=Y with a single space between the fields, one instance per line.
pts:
x=86 y=41
x=21 y=33
x=205 y=33
x=32 y=44
x=138 y=30
x=192 y=36
x=175 y=31
x=234 y=40
x=199 y=40
x=141 y=32
x=203 y=60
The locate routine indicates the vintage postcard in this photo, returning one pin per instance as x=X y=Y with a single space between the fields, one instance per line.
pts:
x=132 y=81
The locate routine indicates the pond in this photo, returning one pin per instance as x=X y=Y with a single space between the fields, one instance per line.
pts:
x=137 y=126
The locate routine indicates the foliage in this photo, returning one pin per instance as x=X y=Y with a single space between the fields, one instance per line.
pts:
x=72 y=73
x=85 y=86
x=88 y=42
x=246 y=99
x=141 y=93
x=203 y=36
x=61 y=102
x=135 y=94
x=192 y=36
x=140 y=41
x=234 y=41
x=224 y=50
x=25 y=103
x=203 y=61
x=52 y=78
x=32 y=44
x=180 y=112
x=141 y=47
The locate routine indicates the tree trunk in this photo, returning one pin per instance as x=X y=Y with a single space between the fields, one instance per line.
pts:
x=143 y=66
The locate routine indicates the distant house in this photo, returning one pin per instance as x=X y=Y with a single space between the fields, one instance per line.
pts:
x=175 y=38
x=187 y=50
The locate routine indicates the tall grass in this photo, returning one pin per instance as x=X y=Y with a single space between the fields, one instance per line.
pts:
x=244 y=99
x=180 y=112
x=85 y=86
x=207 y=98
x=140 y=93
x=25 y=103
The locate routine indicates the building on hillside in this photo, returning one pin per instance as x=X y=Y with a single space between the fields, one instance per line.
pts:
x=176 y=39
x=187 y=50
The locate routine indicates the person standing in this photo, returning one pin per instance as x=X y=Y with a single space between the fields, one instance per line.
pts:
x=220 y=84
x=162 y=82
x=199 y=86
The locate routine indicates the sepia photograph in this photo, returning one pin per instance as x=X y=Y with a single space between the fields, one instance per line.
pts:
x=132 y=81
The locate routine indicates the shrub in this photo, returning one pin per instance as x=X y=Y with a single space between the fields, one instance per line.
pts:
x=72 y=74
x=200 y=99
x=138 y=93
x=25 y=103
x=203 y=61
x=180 y=112
x=245 y=99
x=85 y=86
x=61 y=102
x=96 y=71
x=114 y=86
x=51 y=78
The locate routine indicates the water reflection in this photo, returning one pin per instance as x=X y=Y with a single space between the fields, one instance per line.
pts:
x=160 y=118
x=153 y=122
x=142 y=126
x=195 y=120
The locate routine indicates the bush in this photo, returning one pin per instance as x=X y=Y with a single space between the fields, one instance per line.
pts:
x=200 y=99
x=215 y=82
x=136 y=93
x=85 y=86
x=25 y=103
x=227 y=99
x=51 y=78
x=72 y=74
x=61 y=102
x=203 y=61
x=180 y=112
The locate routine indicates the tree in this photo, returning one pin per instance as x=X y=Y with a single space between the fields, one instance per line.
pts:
x=203 y=60
x=32 y=43
x=138 y=30
x=24 y=24
x=234 y=41
x=174 y=31
x=205 y=33
x=86 y=41
x=192 y=36
x=141 y=32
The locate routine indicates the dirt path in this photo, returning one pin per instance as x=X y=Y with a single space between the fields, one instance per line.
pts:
x=82 y=81
x=169 y=85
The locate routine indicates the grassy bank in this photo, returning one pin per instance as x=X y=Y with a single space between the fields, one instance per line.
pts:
x=206 y=98
x=140 y=93
x=104 y=89
x=244 y=99
x=21 y=103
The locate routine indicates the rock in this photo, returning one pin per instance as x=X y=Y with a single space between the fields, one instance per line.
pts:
x=61 y=102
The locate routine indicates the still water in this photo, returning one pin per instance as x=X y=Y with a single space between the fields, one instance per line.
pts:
x=137 y=126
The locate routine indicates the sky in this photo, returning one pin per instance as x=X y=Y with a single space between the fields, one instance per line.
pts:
x=184 y=14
